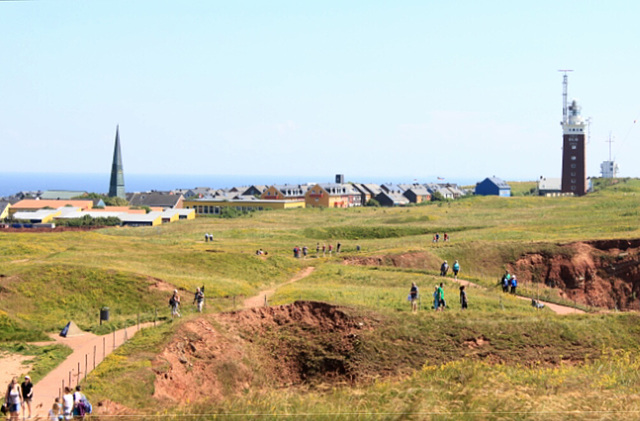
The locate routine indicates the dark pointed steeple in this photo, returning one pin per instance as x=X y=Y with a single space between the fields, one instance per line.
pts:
x=116 y=187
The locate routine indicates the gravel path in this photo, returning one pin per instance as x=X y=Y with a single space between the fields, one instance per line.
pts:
x=262 y=298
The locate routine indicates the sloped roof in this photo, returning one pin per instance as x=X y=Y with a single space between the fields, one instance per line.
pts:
x=164 y=200
x=61 y=194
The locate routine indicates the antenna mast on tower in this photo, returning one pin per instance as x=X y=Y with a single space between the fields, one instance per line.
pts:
x=610 y=141
x=565 y=84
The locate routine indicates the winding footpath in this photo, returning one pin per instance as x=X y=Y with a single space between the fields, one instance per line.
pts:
x=262 y=299
x=556 y=308
x=89 y=350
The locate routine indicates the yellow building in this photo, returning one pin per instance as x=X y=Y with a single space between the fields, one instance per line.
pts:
x=4 y=210
x=213 y=206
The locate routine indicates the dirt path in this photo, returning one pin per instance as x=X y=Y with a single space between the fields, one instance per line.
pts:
x=262 y=298
x=88 y=351
x=556 y=308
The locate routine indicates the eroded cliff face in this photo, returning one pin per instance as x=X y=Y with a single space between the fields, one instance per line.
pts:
x=603 y=273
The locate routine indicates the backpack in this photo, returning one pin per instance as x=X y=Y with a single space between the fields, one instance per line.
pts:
x=88 y=409
x=172 y=301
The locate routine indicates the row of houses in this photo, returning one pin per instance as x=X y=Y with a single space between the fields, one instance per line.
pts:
x=326 y=195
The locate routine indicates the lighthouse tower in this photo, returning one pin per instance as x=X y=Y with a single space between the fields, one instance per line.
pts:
x=574 y=156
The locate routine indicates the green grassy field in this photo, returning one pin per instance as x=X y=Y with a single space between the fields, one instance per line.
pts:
x=534 y=361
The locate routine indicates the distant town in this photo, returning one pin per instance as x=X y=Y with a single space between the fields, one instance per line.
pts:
x=82 y=209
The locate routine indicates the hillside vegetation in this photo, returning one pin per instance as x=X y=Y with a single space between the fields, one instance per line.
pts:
x=501 y=356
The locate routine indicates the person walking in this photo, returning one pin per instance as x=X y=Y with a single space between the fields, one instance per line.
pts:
x=330 y=249
x=317 y=250
x=79 y=408
x=514 y=284
x=436 y=298
x=413 y=297
x=174 y=302
x=338 y=248
x=305 y=251
x=13 y=398
x=27 y=395
x=444 y=268
x=198 y=299
x=506 y=281
x=463 y=298
x=55 y=413
x=456 y=269
x=442 y=303
x=67 y=404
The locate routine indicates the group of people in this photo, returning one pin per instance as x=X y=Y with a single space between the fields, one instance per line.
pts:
x=174 y=301
x=18 y=396
x=208 y=237
x=444 y=269
x=74 y=404
x=509 y=282
x=439 y=303
x=436 y=237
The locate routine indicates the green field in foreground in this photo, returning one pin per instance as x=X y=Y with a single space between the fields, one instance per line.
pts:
x=49 y=279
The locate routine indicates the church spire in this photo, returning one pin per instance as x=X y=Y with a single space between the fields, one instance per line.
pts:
x=116 y=187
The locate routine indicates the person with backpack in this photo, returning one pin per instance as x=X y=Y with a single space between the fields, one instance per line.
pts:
x=514 y=284
x=444 y=268
x=506 y=281
x=463 y=298
x=174 y=303
x=413 y=297
x=456 y=269
x=81 y=405
x=436 y=299
x=442 y=303
x=198 y=299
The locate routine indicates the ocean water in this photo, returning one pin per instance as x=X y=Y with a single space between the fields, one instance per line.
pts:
x=11 y=183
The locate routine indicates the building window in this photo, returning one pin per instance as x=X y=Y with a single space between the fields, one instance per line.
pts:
x=573 y=174
x=573 y=181
x=574 y=146
x=573 y=165
x=573 y=188
x=573 y=158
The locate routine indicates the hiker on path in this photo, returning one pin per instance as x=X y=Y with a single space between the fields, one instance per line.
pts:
x=198 y=299
x=67 y=404
x=317 y=250
x=330 y=249
x=506 y=281
x=444 y=268
x=338 y=248
x=446 y=237
x=514 y=284
x=55 y=413
x=442 y=303
x=79 y=408
x=27 y=394
x=436 y=298
x=413 y=297
x=305 y=251
x=463 y=298
x=324 y=248
x=13 y=398
x=456 y=269
x=174 y=302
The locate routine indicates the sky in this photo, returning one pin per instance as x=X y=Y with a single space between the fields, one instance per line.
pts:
x=416 y=89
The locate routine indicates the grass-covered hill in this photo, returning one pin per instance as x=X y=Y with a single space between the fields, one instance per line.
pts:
x=501 y=355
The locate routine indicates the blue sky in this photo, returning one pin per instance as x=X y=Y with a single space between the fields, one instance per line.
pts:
x=420 y=89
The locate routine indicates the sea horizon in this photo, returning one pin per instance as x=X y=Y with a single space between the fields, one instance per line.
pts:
x=12 y=183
